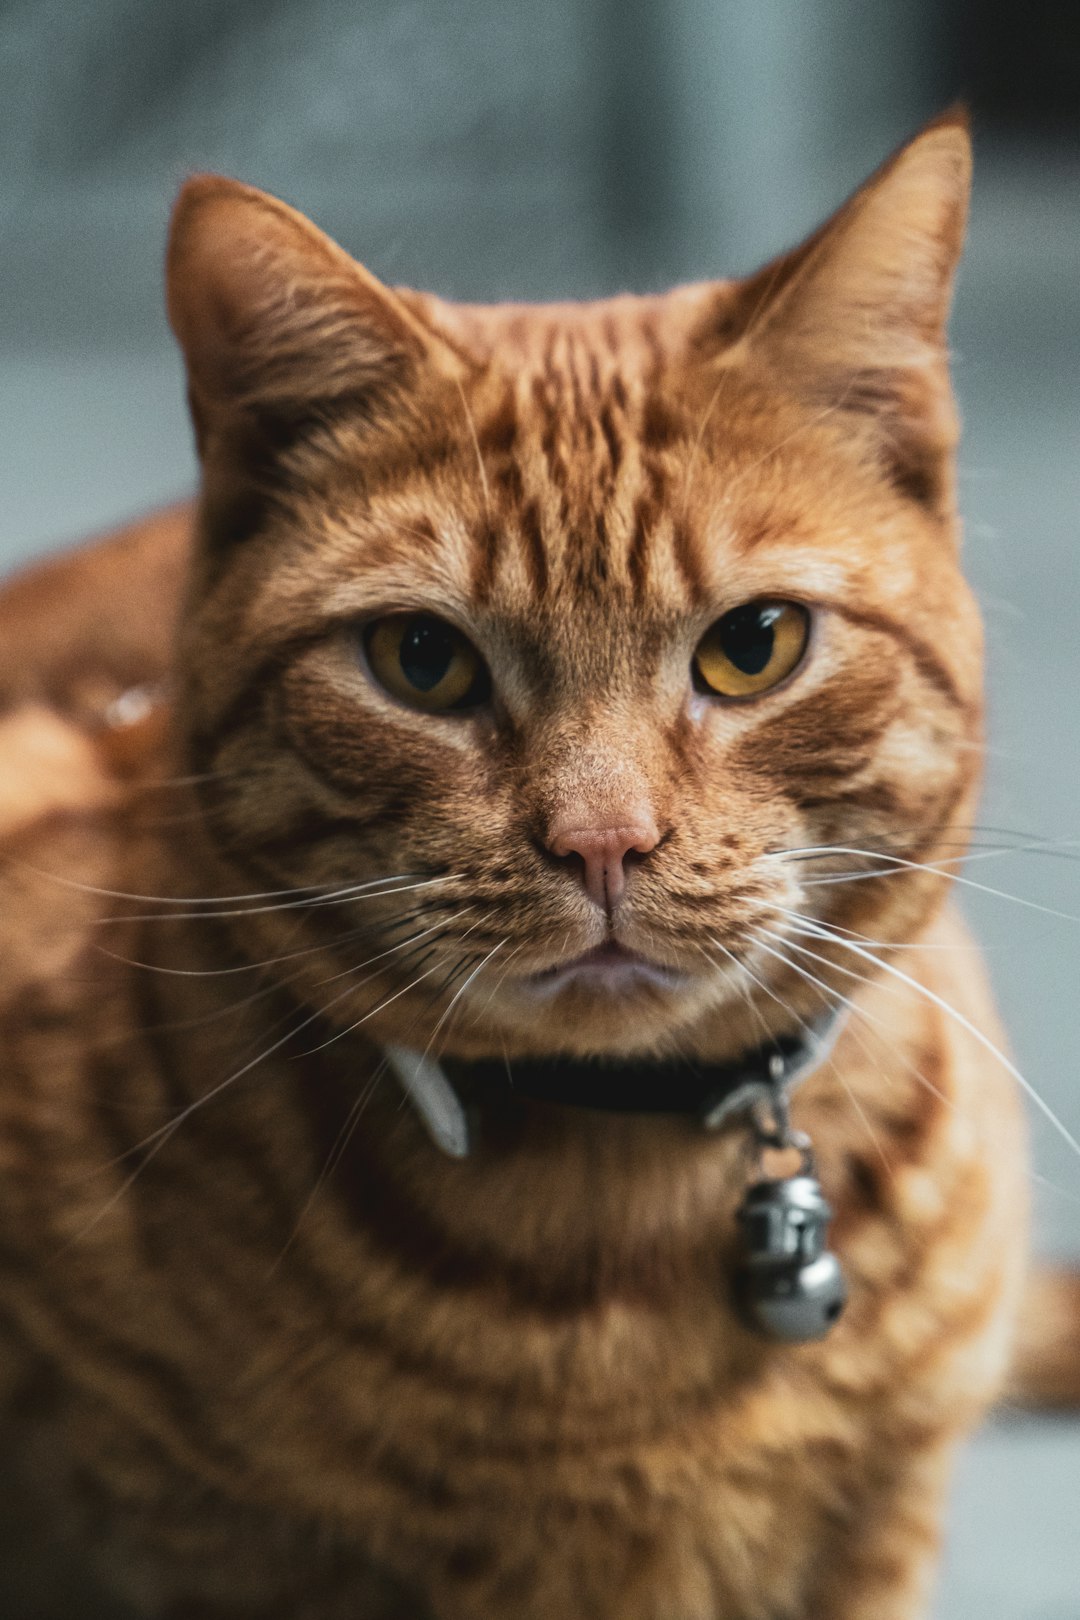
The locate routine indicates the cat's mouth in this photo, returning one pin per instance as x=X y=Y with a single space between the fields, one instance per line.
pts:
x=609 y=968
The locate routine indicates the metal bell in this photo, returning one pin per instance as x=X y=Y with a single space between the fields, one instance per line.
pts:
x=789 y=1286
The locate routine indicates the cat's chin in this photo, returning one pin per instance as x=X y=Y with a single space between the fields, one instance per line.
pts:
x=608 y=971
x=596 y=1005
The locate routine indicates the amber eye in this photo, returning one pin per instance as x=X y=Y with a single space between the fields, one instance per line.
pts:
x=426 y=662
x=751 y=648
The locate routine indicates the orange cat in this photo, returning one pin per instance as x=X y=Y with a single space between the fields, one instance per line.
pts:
x=552 y=684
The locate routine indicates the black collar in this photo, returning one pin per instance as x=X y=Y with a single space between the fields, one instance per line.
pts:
x=712 y=1093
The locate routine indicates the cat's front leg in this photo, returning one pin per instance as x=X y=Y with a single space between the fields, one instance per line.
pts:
x=882 y=1561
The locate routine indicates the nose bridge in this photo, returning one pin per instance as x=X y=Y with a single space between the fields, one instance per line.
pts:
x=598 y=802
x=595 y=772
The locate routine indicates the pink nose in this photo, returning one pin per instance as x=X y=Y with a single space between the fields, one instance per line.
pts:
x=602 y=852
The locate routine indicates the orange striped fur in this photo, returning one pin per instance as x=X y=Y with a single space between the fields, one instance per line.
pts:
x=272 y=1357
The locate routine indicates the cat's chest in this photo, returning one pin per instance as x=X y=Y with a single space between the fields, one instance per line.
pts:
x=639 y=1509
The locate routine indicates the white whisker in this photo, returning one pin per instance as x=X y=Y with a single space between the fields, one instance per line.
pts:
x=820 y=932
x=396 y=996
x=341 y=897
x=212 y=899
x=847 y=1002
x=761 y=984
x=899 y=863
x=336 y=1154
x=158 y=1139
x=476 y=445
x=458 y=993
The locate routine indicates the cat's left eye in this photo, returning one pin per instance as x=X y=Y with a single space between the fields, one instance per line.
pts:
x=751 y=649
x=426 y=662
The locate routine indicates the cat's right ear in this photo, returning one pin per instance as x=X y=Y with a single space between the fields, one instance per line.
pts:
x=275 y=319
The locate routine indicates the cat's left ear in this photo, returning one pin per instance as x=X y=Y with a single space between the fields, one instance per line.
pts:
x=854 y=320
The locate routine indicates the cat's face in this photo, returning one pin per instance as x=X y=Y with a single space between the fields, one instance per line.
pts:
x=579 y=626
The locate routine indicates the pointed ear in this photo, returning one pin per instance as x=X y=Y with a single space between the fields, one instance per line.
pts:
x=275 y=319
x=854 y=320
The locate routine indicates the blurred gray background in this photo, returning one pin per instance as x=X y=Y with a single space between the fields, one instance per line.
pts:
x=492 y=149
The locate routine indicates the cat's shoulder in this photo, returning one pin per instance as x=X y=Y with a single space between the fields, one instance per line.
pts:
x=80 y=628
x=85 y=649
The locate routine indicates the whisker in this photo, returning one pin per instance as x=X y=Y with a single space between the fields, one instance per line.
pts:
x=856 y=1009
x=317 y=889
x=267 y=990
x=1052 y=1186
x=158 y=1139
x=769 y=991
x=158 y=784
x=476 y=445
x=458 y=993
x=898 y=863
x=341 y=1033
x=847 y=1002
x=803 y=428
x=342 y=897
x=208 y=973
x=153 y=899
x=336 y=1154
x=890 y=945
x=288 y=956
x=122 y=1041
x=499 y=982
x=439 y=929
x=819 y=932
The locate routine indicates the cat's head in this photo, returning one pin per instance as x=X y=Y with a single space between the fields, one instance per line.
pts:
x=579 y=646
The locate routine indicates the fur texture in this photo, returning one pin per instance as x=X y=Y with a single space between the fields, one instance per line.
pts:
x=275 y=1358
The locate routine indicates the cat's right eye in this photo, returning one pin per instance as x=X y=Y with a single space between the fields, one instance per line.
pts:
x=425 y=662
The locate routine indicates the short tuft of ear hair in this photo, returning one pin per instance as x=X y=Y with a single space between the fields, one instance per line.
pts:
x=271 y=314
x=854 y=320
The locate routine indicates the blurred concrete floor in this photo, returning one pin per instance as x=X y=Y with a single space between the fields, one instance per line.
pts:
x=94 y=436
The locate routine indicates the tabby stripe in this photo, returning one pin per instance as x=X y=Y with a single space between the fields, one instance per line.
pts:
x=303 y=833
x=594 y=374
x=637 y=556
x=577 y=401
x=659 y=427
x=611 y=438
x=689 y=563
x=497 y=434
x=394 y=1224
x=506 y=476
x=247 y=701
x=146 y=1392
x=653 y=348
x=926 y=660
x=486 y=547
x=118 y=1367
x=534 y=550
x=371 y=806
x=926 y=846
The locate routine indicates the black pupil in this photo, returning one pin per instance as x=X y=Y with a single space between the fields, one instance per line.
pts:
x=428 y=648
x=747 y=636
